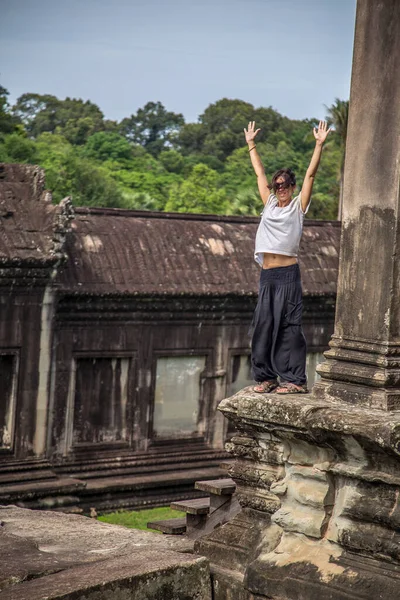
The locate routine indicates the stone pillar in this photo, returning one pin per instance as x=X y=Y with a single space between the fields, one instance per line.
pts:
x=318 y=475
x=363 y=363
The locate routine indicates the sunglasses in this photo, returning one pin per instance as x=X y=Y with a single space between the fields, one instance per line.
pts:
x=282 y=186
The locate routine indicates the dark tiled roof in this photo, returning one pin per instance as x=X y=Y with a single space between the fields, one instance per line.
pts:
x=113 y=251
x=31 y=227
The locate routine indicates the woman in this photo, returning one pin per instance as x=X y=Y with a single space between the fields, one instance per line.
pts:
x=278 y=343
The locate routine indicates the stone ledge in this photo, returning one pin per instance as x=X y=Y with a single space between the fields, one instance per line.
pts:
x=146 y=575
x=53 y=555
x=313 y=418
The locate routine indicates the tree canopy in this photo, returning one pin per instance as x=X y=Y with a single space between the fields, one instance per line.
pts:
x=153 y=127
x=153 y=160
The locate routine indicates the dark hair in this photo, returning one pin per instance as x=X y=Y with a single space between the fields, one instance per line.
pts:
x=288 y=176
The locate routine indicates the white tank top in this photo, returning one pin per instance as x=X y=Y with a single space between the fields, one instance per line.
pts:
x=280 y=228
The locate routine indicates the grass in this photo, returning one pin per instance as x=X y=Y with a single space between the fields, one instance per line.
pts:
x=138 y=519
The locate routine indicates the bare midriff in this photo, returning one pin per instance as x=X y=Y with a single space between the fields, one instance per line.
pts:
x=272 y=261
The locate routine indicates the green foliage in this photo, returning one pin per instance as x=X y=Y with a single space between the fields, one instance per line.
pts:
x=326 y=190
x=8 y=123
x=199 y=193
x=191 y=138
x=153 y=127
x=73 y=118
x=68 y=173
x=16 y=147
x=238 y=172
x=138 y=519
x=155 y=185
x=338 y=114
x=53 y=152
x=154 y=161
x=141 y=201
x=195 y=159
x=91 y=185
x=172 y=161
x=220 y=128
x=106 y=145
x=245 y=202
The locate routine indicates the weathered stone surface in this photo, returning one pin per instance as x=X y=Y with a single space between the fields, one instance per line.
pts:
x=148 y=575
x=319 y=483
x=64 y=554
x=313 y=420
x=236 y=544
x=300 y=569
x=229 y=586
x=363 y=365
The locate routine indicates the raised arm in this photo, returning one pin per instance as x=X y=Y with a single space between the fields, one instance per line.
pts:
x=320 y=135
x=263 y=187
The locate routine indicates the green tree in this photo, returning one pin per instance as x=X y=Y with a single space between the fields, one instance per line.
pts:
x=156 y=185
x=53 y=151
x=172 y=161
x=140 y=201
x=106 y=145
x=191 y=138
x=199 y=193
x=32 y=107
x=223 y=122
x=220 y=128
x=338 y=113
x=73 y=118
x=69 y=173
x=153 y=127
x=16 y=147
x=240 y=181
x=8 y=123
x=91 y=185
x=246 y=202
x=239 y=173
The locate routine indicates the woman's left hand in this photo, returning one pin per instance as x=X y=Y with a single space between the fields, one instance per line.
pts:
x=321 y=132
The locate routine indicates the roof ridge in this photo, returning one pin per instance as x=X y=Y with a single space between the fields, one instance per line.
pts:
x=150 y=214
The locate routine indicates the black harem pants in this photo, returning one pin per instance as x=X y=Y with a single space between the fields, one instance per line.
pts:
x=278 y=344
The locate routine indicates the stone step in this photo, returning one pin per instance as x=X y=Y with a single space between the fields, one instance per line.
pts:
x=220 y=487
x=86 y=460
x=16 y=477
x=25 y=490
x=171 y=526
x=197 y=506
x=137 y=470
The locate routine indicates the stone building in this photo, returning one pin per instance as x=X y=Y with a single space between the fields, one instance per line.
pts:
x=120 y=332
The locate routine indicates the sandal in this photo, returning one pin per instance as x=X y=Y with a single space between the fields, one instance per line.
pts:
x=291 y=388
x=265 y=387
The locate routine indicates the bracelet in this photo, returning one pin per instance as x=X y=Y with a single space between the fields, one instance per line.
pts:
x=252 y=147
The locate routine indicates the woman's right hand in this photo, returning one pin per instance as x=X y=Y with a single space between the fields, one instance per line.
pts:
x=250 y=133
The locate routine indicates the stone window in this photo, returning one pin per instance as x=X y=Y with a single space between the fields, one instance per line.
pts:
x=177 y=395
x=8 y=372
x=313 y=360
x=100 y=400
x=240 y=373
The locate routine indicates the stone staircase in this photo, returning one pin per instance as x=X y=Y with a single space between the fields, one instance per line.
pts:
x=203 y=514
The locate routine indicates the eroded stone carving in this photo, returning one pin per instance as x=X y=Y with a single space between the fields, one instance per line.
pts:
x=323 y=489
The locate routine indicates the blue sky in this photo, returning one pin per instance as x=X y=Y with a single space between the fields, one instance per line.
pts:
x=293 y=55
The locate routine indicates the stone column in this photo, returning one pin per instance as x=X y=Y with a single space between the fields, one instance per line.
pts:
x=363 y=363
